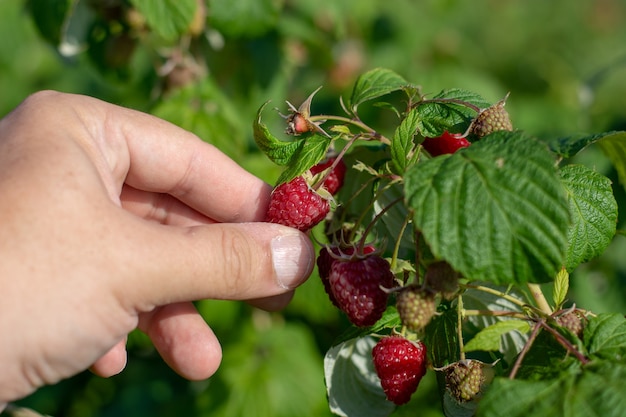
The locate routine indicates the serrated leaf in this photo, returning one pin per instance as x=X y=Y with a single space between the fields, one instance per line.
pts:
x=168 y=18
x=279 y=152
x=593 y=211
x=439 y=116
x=605 y=337
x=561 y=287
x=569 y=146
x=402 y=144
x=596 y=390
x=614 y=146
x=351 y=382
x=489 y=338
x=312 y=151
x=375 y=83
x=496 y=211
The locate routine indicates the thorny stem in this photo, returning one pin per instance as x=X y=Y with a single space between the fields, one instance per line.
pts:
x=564 y=342
x=355 y=122
x=459 y=326
x=525 y=349
x=540 y=299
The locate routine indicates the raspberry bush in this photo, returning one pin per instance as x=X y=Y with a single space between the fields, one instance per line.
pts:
x=472 y=240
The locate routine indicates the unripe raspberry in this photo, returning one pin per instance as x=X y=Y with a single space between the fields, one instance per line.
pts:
x=464 y=379
x=441 y=278
x=573 y=321
x=491 y=119
x=416 y=307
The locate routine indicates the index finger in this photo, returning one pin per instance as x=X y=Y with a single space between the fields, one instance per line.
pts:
x=154 y=155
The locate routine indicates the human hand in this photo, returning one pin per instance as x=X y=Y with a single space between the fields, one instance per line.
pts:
x=111 y=219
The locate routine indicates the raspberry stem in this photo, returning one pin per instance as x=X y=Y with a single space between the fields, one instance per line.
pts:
x=354 y=122
x=540 y=299
x=460 y=314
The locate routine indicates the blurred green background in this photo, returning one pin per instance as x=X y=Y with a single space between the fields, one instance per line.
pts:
x=210 y=67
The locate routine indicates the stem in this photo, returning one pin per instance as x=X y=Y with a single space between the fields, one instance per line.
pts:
x=496 y=313
x=375 y=219
x=564 y=342
x=459 y=326
x=336 y=161
x=354 y=122
x=522 y=354
x=368 y=208
x=498 y=293
x=396 y=248
x=540 y=299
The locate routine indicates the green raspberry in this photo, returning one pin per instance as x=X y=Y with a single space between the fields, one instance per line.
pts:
x=464 y=379
x=491 y=119
x=416 y=307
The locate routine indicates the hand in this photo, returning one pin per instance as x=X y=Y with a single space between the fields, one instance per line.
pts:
x=111 y=219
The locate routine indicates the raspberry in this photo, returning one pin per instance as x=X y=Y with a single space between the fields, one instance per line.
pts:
x=325 y=261
x=334 y=180
x=441 y=278
x=356 y=283
x=400 y=365
x=491 y=119
x=464 y=379
x=445 y=144
x=296 y=204
x=416 y=307
x=573 y=321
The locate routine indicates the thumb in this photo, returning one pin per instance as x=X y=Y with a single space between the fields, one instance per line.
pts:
x=235 y=261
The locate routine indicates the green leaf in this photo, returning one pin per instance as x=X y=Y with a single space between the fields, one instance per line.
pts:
x=312 y=151
x=614 y=146
x=442 y=339
x=593 y=212
x=49 y=17
x=402 y=145
x=570 y=145
x=561 y=287
x=605 y=337
x=489 y=338
x=496 y=211
x=439 y=116
x=375 y=83
x=168 y=18
x=279 y=152
x=244 y=18
x=596 y=390
x=351 y=382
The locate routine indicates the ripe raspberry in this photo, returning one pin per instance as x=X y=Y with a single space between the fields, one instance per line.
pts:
x=334 y=180
x=296 y=204
x=400 y=365
x=491 y=119
x=416 y=307
x=356 y=284
x=573 y=321
x=441 y=278
x=326 y=259
x=464 y=379
x=445 y=144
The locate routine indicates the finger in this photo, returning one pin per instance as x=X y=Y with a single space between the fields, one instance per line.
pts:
x=167 y=159
x=237 y=261
x=183 y=339
x=275 y=303
x=112 y=362
x=161 y=208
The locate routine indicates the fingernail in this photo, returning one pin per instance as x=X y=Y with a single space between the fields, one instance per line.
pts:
x=292 y=256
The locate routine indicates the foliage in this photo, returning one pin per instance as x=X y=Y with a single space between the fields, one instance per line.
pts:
x=209 y=65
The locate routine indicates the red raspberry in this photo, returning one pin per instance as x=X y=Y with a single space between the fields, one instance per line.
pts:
x=325 y=261
x=355 y=284
x=334 y=180
x=296 y=204
x=444 y=144
x=400 y=365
